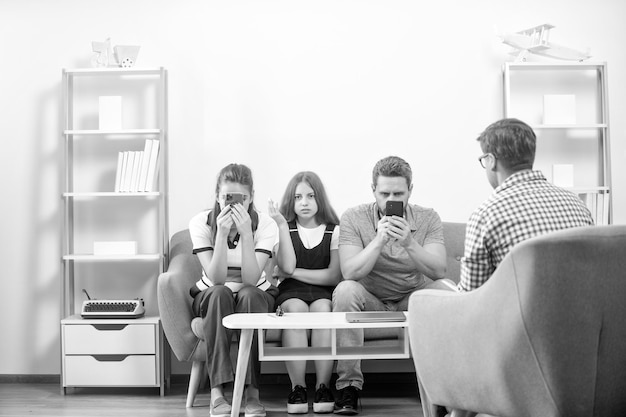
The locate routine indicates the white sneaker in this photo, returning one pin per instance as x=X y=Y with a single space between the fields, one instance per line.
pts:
x=220 y=408
x=254 y=408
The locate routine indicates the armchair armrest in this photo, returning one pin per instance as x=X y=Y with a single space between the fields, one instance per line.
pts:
x=174 y=299
x=456 y=360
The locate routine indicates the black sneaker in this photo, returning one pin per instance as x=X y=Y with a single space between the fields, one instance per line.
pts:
x=297 y=402
x=348 y=400
x=324 y=400
x=441 y=411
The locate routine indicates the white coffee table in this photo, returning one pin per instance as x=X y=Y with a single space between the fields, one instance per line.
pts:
x=248 y=322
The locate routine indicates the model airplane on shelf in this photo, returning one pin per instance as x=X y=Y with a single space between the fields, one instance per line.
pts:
x=535 y=41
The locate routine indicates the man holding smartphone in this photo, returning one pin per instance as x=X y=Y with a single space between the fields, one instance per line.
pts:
x=387 y=250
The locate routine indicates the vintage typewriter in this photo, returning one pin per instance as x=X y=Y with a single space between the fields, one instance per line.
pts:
x=112 y=309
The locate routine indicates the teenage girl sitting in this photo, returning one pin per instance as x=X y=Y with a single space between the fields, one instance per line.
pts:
x=233 y=243
x=308 y=270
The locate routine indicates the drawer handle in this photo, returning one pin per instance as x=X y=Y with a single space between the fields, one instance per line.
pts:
x=110 y=326
x=109 y=358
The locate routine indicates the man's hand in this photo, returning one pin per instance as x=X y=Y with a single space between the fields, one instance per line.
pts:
x=382 y=231
x=399 y=230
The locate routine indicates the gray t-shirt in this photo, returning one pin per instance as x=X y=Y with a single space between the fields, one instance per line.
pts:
x=394 y=275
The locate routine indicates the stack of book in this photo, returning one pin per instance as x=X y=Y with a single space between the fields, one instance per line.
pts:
x=137 y=170
x=598 y=204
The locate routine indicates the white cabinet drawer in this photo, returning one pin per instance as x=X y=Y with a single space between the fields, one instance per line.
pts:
x=109 y=339
x=110 y=370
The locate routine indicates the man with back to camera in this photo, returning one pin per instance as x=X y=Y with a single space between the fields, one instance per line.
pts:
x=523 y=205
x=383 y=259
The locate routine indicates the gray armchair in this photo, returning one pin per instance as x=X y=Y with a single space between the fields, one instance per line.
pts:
x=182 y=329
x=545 y=336
x=175 y=308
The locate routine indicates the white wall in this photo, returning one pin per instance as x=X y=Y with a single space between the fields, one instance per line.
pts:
x=283 y=86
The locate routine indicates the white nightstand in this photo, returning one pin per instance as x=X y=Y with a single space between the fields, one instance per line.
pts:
x=112 y=353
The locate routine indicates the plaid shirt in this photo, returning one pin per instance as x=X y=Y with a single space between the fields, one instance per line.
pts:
x=525 y=205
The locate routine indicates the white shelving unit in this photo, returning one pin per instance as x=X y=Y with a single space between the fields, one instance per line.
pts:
x=107 y=352
x=581 y=142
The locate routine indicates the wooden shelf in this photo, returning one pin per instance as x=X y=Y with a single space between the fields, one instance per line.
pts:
x=326 y=353
x=113 y=71
x=123 y=132
x=93 y=258
x=573 y=127
x=111 y=194
x=588 y=190
x=576 y=66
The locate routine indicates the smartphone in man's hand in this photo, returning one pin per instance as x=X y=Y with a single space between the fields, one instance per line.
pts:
x=234 y=198
x=394 y=208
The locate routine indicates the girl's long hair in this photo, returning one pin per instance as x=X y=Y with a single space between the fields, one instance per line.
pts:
x=239 y=174
x=325 y=213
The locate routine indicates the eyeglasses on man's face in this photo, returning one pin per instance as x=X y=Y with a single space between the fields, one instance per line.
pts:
x=481 y=159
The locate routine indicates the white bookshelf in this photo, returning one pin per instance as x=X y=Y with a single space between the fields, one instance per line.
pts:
x=93 y=211
x=584 y=144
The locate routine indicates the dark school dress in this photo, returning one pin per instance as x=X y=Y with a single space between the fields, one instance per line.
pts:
x=317 y=257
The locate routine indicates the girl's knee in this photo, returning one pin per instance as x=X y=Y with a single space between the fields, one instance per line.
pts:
x=221 y=291
x=322 y=305
x=295 y=305
x=218 y=299
x=249 y=291
x=251 y=300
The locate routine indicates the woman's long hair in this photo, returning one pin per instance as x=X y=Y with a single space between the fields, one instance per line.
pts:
x=325 y=213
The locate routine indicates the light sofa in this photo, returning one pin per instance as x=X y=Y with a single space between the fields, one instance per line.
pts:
x=184 y=334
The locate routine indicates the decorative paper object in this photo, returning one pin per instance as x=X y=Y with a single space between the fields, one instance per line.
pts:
x=110 y=112
x=559 y=109
x=126 y=55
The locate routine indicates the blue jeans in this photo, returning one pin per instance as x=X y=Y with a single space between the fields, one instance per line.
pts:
x=352 y=296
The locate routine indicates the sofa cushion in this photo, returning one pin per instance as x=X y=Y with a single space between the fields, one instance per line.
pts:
x=454 y=240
